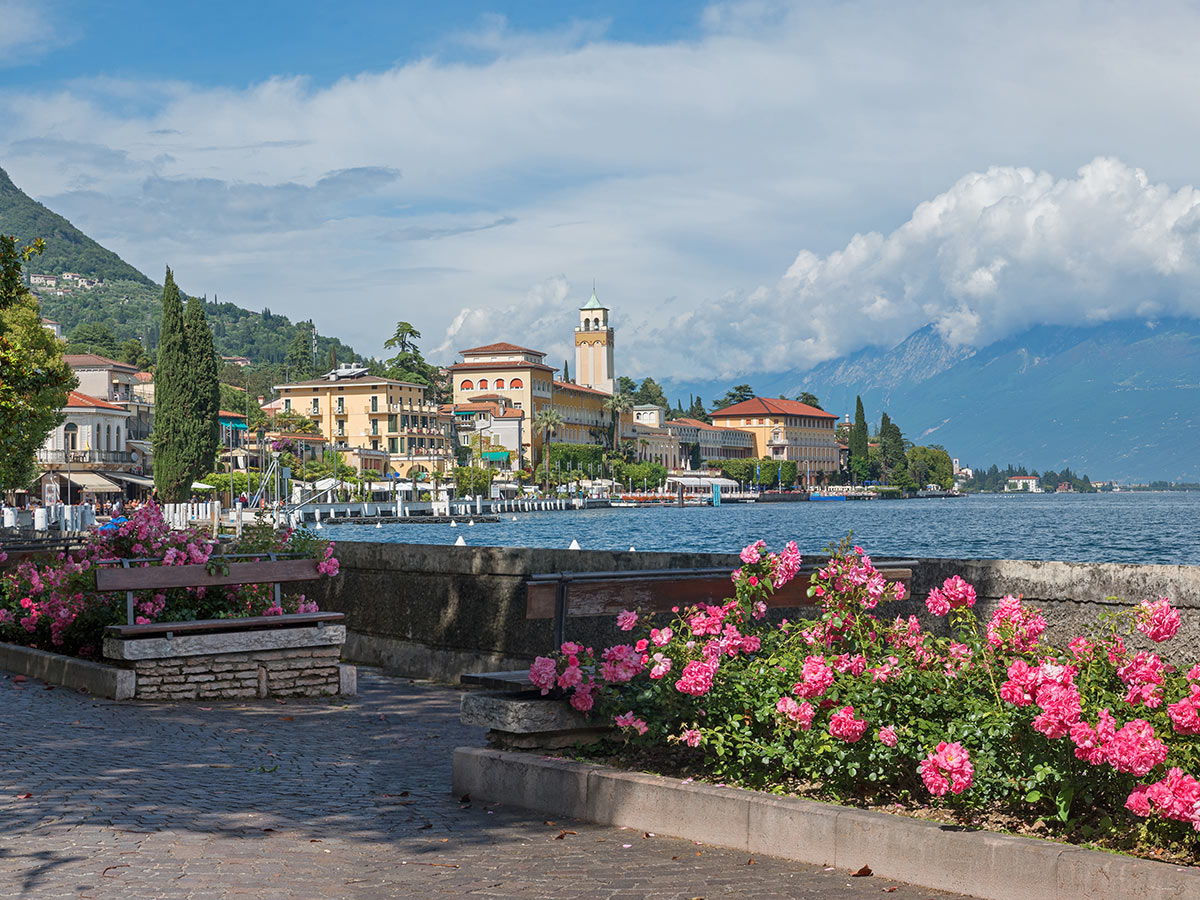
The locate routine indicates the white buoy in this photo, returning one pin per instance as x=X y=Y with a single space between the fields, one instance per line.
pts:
x=514 y=518
x=471 y=522
x=319 y=525
x=453 y=524
x=632 y=550
x=574 y=545
x=378 y=524
x=460 y=542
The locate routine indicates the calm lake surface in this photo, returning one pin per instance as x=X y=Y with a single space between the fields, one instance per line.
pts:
x=1125 y=527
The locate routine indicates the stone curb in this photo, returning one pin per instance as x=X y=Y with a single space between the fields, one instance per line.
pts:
x=929 y=854
x=80 y=674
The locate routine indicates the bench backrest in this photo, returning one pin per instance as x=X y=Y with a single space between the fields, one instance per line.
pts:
x=199 y=626
x=608 y=593
x=113 y=578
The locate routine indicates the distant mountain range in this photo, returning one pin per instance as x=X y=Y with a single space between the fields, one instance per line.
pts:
x=1118 y=400
x=128 y=302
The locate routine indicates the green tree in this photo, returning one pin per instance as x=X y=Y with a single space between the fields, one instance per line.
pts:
x=616 y=406
x=566 y=376
x=299 y=358
x=409 y=365
x=132 y=352
x=547 y=420
x=172 y=427
x=204 y=391
x=472 y=480
x=92 y=337
x=859 y=459
x=650 y=392
x=931 y=465
x=626 y=385
x=34 y=380
x=736 y=394
x=810 y=400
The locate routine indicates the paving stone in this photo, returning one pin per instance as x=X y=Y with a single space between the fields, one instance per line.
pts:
x=331 y=797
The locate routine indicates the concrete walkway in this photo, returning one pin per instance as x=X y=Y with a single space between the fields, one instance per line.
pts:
x=316 y=799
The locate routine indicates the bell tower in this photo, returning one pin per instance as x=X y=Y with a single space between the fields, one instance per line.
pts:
x=594 y=347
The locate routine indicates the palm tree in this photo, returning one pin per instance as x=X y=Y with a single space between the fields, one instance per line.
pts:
x=616 y=406
x=547 y=420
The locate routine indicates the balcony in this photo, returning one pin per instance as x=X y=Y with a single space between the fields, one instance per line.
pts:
x=79 y=457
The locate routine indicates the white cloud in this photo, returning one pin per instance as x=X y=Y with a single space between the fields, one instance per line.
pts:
x=26 y=33
x=683 y=176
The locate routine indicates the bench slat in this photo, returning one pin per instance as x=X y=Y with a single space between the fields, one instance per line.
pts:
x=599 y=598
x=112 y=578
x=200 y=625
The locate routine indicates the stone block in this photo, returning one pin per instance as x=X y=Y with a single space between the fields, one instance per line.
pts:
x=794 y=829
x=554 y=786
x=519 y=713
x=347 y=680
x=700 y=812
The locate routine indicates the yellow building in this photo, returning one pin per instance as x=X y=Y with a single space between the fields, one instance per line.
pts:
x=594 y=347
x=379 y=422
x=787 y=429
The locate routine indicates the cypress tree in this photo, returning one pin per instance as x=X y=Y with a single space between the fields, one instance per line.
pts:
x=566 y=372
x=858 y=442
x=172 y=477
x=204 y=390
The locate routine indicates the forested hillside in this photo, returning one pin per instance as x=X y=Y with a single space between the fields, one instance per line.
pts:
x=127 y=302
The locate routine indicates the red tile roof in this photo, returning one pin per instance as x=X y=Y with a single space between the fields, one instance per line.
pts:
x=93 y=360
x=76 y=400
x=502 y=364
x=230 y=415
x=502 y=347
x=760 y=406
x=570 y=386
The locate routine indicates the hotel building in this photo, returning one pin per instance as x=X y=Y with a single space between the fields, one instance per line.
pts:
x=787 y=430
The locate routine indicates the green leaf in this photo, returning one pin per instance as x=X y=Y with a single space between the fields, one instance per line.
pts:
x=1033 y=796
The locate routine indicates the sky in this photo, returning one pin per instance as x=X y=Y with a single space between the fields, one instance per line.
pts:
x=753 y=187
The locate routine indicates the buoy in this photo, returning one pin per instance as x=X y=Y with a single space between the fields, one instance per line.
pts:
x=471 y=522
x=380 y=525
x=460 y=542
x=319 y=525
x=574 y=545
x=514 y=518
x=453 y=524
x=631 y=550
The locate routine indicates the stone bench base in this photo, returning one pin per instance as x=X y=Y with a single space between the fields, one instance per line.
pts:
x=284 y=662
x=527 y=721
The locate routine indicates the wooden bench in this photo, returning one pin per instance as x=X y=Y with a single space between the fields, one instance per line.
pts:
x=561 y=595
x=131 y=576
x=208 y=626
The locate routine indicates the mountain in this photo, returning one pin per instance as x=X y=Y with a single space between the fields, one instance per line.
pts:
x=67 y=248
x=127 y=302
x=1118 y=400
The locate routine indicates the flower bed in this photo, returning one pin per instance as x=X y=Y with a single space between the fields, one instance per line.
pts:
x=54 y=605
x=1095 y=742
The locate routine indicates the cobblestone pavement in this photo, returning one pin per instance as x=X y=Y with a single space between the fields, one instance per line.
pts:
x=315 y=799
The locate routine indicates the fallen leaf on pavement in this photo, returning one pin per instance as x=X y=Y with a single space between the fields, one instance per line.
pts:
x=562 y=834
x=24 y=796
x=110 y=868
x=751 y=862
x=890 y=890
x=862 y=873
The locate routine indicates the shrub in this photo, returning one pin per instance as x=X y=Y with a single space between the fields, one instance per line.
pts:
x=852 y=704
x=54 y=605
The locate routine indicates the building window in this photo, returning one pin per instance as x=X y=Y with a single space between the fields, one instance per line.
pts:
x=70 y=436
x=393 y=444
x=375 y=428
x=316 y=407
x=287 y=404
x=341 y=406
x=391 y=424
x=467 y=385
x=483 y=384
x=499 y=384
x=374 y=404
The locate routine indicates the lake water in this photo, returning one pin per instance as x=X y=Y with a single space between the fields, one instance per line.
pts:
x=1125 y=527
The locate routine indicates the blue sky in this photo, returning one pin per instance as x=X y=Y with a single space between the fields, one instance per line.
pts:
x=755 y=186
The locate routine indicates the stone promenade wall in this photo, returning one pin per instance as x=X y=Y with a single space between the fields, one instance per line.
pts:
x=437 y=612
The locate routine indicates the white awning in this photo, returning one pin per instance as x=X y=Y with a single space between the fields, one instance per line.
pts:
x=139 y=480
x=90 y=481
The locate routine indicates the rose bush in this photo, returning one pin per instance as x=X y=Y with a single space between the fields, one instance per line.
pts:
x=984 y=715
x=54 y=605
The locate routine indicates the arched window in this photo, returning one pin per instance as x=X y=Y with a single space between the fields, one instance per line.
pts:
x=499 y=384
x=483 y=384
x=515 y=384
x=108 y=437
x=595 y=324
x=467 y=385
x=96 y=439
x=70 y=436
x=118 y=437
